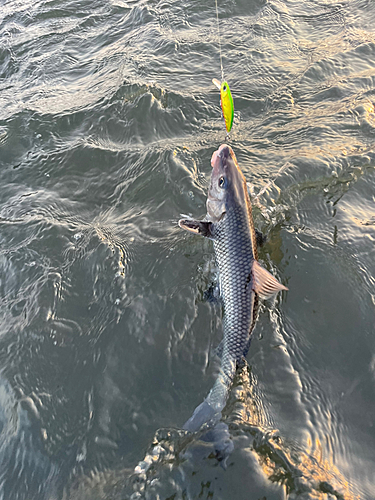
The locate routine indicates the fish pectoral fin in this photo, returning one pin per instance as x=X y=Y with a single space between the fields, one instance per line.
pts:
x=264 y=284
x=212 y=294
x=196 y=226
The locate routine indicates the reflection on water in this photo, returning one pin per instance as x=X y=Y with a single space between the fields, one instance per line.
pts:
x=108 y=120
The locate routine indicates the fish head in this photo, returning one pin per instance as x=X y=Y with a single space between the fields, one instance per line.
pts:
x=228 y=184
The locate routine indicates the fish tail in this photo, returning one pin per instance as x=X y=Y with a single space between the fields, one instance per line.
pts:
x=203 y=413
x=210 y=410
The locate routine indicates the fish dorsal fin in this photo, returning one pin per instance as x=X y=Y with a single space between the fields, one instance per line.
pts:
x=264 y=284
x=196 y=227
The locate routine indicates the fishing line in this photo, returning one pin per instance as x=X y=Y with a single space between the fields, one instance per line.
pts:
x=218 y=31
x=226 y=99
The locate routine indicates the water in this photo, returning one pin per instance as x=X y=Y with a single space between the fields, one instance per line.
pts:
x=108 y=120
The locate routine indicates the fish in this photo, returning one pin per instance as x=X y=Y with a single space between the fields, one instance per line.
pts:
x=242 y=279
x=226 y=101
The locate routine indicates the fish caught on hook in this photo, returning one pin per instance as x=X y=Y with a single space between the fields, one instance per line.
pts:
x=226 y=101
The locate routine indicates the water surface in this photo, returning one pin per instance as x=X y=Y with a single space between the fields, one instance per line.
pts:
x=108 y=120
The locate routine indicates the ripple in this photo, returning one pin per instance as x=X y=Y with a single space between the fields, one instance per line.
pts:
x=108 y=123
x=21 y=444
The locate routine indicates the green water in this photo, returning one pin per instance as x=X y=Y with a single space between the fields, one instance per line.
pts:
x=108 y=120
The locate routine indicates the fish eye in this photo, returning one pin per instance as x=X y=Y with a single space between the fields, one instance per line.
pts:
x=225 y=88
x=222 y=182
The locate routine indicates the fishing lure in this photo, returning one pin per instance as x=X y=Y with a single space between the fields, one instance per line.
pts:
x=226 y=101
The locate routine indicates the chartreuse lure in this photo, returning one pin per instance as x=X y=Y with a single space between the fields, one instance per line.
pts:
x=226 y=100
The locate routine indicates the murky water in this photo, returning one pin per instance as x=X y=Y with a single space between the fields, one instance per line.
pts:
x=108 y=120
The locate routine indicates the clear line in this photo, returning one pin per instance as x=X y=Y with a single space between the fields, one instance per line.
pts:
x=218 y=30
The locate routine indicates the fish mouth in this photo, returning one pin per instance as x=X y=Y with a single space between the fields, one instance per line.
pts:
x=220 y=156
